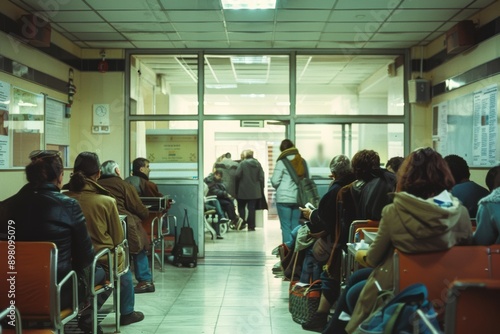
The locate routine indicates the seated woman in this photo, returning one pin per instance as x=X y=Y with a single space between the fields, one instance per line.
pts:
x=423 y=217
x=43 y=213
x=103 y=223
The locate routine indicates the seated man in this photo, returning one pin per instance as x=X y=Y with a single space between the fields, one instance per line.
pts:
x=103 y=224
x=129 y=204
x=140 y=179
x=213 y=204
x=217 y=188
x=467 y=191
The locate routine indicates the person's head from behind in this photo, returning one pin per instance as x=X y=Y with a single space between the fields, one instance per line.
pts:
x=493 y=178
x=459 y=168
x=218 y=175
x=363 y=163
x=140 y=165
x=87 y=166
x=110 y=168
x=247 y=154
x=424 y=173
x=286 y=144
x=393 y=164
x=340 y=166
x=46 y=166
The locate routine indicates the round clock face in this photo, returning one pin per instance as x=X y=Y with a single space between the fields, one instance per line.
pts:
x=101 y=111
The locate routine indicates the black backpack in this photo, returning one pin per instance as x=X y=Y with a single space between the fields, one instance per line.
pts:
x=185 y=251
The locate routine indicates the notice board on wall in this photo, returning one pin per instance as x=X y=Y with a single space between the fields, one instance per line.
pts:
x=468 y=126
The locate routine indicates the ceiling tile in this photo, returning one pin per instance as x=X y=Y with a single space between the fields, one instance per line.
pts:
x=146 y=36
x=309 y=4
x=249 y=44
x=121 y=4
x=296 y=44
x=249 y=26
x=361 y=16
x=302 y=15
x=154 y=44
x=191 y=4
x=203 y=26
x=465 y=14
x=95 y=27
x=242 y=36
x=133 y=16
x=249 y=16
x=352 y=27
x=73 y=16
x=300 y=26
x=396 y=37
x=194 y=16
x=297 y=36
x=344 y=37
x=206 y=44
x=365 y=4
x=202 y=36
x=439 y=15
x=409 y=26
x=435 y=4
x=93 y=36
x=481 y=3
x=53 y=6
x=143 y=26
x=389 y=45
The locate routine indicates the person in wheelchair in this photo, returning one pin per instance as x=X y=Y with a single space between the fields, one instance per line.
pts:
x=217 y=188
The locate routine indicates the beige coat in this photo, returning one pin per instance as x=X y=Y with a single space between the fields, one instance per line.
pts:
x=412 y=225
x=101 y=214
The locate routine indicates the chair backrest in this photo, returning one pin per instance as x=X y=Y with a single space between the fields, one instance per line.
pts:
x=438 y=269
x=357 y=224
x=495 y=261
x=30 y=269
x=472 y=307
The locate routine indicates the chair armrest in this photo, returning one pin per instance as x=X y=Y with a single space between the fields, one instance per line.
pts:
x=74 y=280
x=17 y=318
x=121 y=247
x=100 y=254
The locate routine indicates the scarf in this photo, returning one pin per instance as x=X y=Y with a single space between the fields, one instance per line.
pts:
x=141 y=175
x=296 y=162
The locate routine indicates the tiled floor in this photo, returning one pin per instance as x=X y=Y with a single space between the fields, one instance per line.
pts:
x=232 y=290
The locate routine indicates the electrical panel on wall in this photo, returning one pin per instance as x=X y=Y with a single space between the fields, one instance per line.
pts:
x=100 y=118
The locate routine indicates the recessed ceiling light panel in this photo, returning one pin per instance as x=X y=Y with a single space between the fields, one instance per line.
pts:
x=248 y=4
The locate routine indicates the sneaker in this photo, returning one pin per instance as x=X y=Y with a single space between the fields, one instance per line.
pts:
x=143 y=287
x=317 y=322
x=131 y=318
x=241 y=224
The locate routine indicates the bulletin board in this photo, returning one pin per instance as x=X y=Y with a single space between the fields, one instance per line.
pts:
x=468 y=126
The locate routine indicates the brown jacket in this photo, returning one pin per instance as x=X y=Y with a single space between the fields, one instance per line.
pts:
x=145 y=188
x=101 y=214
x=129 y=203
x=412 y=225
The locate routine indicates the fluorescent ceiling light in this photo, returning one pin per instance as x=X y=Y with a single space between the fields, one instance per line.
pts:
x=26 y=104
x=250 y=59
x=248 y=4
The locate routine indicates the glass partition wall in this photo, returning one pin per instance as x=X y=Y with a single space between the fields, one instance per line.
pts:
x=328 y=104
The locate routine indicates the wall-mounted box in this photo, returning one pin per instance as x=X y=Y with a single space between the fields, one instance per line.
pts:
x=460 y=37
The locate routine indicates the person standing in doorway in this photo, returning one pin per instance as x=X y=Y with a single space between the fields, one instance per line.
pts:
x=249 y=189
x=286 y=188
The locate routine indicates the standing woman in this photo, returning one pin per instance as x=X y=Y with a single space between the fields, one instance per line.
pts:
x=250 y=185
x=286 y=188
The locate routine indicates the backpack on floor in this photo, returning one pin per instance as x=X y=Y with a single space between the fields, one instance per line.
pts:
x=185 y=251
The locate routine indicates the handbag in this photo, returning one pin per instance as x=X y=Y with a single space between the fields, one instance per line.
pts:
x=322 y=248
x=307 y=191
x=399 y=314
x=303 y=299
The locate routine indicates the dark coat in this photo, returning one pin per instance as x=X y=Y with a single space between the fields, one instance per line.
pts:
x=45 y=214
x=129 y=203
x=250 y=179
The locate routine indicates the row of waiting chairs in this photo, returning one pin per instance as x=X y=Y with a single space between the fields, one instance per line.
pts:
x=36 y=292
x=463 y=282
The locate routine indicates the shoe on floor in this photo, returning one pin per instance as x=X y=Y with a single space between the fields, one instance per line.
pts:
x=143 y=287
x=251 y=228
x=219 y=237
x=131 y=318
x=241 y=224
x=85 y=324
x=317 y=322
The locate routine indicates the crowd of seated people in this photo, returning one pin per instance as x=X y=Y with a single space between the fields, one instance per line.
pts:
x=421 y=213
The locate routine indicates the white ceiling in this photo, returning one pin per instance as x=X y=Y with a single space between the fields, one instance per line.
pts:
x=367 y=24
x=344 y=25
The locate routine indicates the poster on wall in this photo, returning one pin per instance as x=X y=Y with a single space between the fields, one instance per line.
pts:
x=170 y=148
x=4 y=124
x=439 y=128
x=485 y=126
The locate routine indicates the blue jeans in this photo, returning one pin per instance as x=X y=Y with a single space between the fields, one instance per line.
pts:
x=289 y=215
x=215 y=204
x=127 y=297
x=311 y=268
x=141 y=266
